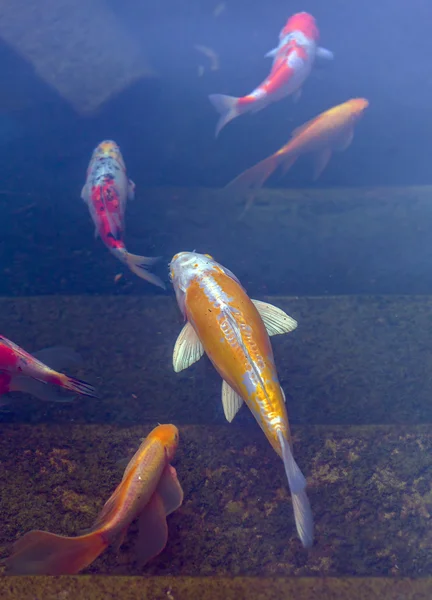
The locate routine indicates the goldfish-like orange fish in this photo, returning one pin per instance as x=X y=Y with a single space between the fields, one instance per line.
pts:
x=149 y=490
x=106 y=191
x=331 y=130
x=233 y=331
x=24 y=372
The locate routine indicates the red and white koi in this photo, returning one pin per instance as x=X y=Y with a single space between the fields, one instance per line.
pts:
x=233 y=331
x=23 y=372
x=293 y=61
x=106 y=192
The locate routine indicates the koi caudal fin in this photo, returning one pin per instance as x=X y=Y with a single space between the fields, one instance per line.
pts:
x=139 y=265
x=78 y=386
x=44 y=553
x=227 y=107
x=297 y=484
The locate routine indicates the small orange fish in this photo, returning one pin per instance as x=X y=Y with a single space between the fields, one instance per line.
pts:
x=329 y=131
x=149 y=490
x=233 y=331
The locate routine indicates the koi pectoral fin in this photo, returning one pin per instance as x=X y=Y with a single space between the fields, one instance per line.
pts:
x=324 y=54
x=321 y=161
x=188 y=349
x=59 y=357
x=170 y=490
x=231 y=401
x=276 y=321
x=152 y=530
x=39 y=389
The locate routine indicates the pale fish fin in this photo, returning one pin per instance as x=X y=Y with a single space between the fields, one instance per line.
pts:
x=117 y=543
x=131 y=189
x=297 y=484
x=226 y=106
x=323 y=53
x=283 y=394
x=345 y=140
x=288 y=163
x=170 y=490
x=297 y=95
x=59 y=357
x=321 y=161
x=138 y=265
x=84 y=193
x=271 y=53
x=188 y=348
x=276 y=321
x=39 y=389
x=152 y=530
x=231 y=401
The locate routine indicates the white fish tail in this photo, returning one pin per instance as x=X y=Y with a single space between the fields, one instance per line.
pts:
x=297 y=484
x=139 y=265
x=227 y=107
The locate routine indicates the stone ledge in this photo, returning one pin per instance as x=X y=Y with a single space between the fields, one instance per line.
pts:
x=212 y=588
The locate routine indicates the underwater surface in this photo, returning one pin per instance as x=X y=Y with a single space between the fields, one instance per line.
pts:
x=135 y=191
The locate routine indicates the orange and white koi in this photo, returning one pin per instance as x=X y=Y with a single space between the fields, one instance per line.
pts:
x=106 y=192
x=22 y=372
x=233 y=331
x=331 y=130
x=293 y=61
x=149 y=490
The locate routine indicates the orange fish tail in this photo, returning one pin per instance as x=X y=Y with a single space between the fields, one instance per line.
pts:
x=44 y=553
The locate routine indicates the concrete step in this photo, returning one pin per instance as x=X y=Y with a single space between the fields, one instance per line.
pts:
x=213 y=588
x=369 y=487
x=292 y=242
x=352 y=360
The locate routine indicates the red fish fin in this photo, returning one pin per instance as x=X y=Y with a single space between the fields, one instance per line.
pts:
x=44 y=553
x=138 y=265
x=321 y=161
x=227 y=107
x=170 y=490
x=297 y=484
x=153 y=530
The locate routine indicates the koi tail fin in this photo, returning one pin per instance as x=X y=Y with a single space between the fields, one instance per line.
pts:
x=254 y=178
x=227 y=107
x=44 y=553
x=78 y=386
x=297 y=484
x=56 y=358
x=139 y=265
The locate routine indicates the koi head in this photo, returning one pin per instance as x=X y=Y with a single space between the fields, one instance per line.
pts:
x=302 y=22
x=355 y=108
x=168 y=435
x=108 y=149
x=186 y=267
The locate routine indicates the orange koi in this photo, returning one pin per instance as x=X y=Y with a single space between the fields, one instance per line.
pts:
x=233 y=331
x=329 y=131
x=149 y=490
